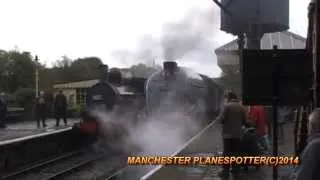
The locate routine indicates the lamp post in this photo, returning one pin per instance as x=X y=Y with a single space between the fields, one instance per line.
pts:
x=37 y=75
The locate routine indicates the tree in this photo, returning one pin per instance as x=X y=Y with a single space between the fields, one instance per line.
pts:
x=16 y=70
x=65 y=62
x=141 y=70
x=85 y=68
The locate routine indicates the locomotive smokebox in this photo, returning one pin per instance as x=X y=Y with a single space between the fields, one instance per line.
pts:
x=104 y=72
x=170 y=66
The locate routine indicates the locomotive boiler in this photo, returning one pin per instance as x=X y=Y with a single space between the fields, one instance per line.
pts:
x=180 y=89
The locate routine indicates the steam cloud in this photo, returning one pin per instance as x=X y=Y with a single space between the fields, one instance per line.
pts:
x=159 y=134
x=189 y=41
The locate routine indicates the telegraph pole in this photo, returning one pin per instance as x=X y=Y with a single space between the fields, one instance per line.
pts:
x=37 y=75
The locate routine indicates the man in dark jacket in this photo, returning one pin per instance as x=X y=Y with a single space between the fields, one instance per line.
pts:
x=232 y=118
x=3 y=110
x=60 y=106
x=309 y=169
x=41 y=109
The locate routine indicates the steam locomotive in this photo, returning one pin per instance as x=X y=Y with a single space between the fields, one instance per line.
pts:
x=167 y=90
x=175 y=88
x=112 y=95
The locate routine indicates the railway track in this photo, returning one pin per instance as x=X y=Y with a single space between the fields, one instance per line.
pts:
x=57 y=167
x=115 y=175
x=192 y=146
x=72 y=168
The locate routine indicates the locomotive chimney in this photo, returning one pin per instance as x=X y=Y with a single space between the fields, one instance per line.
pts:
x=170 y=66
x=115 y=76
x=103 y=72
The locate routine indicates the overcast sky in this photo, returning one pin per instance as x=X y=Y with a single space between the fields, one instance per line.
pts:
x=80 y=28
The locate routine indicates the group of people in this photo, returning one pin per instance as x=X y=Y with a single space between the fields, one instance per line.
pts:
x=42 y=108
x=235 y=117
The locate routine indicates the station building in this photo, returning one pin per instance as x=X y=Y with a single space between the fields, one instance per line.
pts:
x=76 y=91
x=228 y=56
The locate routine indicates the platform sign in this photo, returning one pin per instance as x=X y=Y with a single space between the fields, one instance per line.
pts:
x=285 y=73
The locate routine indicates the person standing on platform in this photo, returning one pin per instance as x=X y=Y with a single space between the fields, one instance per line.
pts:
x=232 y=118
x=257 y=117
x=41 y=109
x=60 y=106
x=309 y=168
x=3 y=109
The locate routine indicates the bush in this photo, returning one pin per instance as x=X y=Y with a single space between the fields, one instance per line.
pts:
x=25 y=97
x=75 y=110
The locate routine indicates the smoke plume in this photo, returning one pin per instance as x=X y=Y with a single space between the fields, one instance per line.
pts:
x=189 y=41
x=189 y=35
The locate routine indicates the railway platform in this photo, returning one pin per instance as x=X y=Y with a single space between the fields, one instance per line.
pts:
x=23 y=143
x=209 y=143
x=29 y=128
x=265 y=173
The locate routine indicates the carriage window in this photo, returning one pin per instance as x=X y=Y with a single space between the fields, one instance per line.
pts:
x=81 y=96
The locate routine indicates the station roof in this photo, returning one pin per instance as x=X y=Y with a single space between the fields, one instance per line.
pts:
x=75 y=85
x=87 y=84
x=284 y=40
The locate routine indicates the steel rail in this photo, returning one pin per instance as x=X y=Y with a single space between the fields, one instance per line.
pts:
x=71 y=169
x=40 y=165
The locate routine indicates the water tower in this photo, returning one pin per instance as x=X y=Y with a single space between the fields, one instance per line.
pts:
x=253 y=18
x=249 y=20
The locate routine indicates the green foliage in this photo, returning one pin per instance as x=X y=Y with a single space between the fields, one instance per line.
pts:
x=25 y=97
x=141 y=70
x=66 y=70
x=85 y=68
x=17 y=72
x=77 y=108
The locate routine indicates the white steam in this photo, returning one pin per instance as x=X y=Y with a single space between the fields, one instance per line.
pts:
x=163 y=134
x=189 y=41
x=132 y=132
